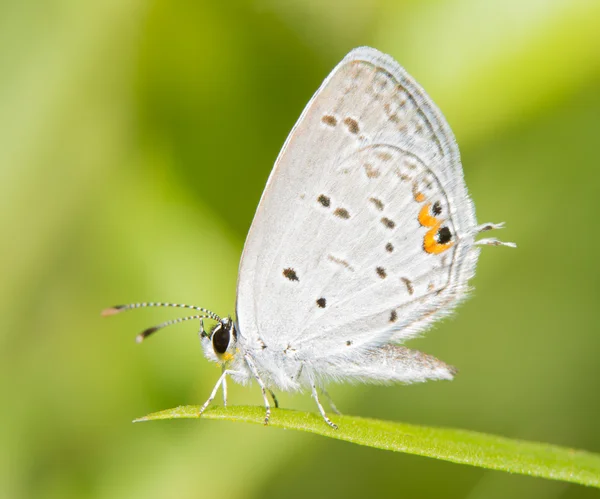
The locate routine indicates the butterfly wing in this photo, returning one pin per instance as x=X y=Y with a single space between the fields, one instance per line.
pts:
x=358 y=239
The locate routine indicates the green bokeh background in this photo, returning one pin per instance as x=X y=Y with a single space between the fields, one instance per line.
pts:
x=135 y=140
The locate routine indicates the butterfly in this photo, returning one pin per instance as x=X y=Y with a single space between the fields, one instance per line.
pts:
x=364 y=236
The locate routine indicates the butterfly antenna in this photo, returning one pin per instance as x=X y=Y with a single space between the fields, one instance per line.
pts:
x=130 y=306
x=206 y=314
x=144 y=334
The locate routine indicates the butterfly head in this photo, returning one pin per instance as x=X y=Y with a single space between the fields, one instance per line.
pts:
x=220 y=344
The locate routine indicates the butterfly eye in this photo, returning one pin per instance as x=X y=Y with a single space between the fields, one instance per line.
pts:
x=220 y=338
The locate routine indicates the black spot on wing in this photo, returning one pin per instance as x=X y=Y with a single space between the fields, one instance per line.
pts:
x=321 y=302
x=329 y=120
x=290 y=274
x=324 y=200
x=352 y=125
x=342 y=213
x=377 y=203
x=390 y=224
x=408 y=284
x=444 y=235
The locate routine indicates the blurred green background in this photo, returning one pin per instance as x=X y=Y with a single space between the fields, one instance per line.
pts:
x=135 y=141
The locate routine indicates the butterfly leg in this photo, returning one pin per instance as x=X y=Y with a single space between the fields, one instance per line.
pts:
x=224 y=383
x=331 y=404
x=262 y=387
x=321 y=410
x=274 y=399
x=214 y=392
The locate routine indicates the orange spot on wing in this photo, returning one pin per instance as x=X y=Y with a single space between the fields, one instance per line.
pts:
x=419 y=197
x=425 y=219
x=430 y=245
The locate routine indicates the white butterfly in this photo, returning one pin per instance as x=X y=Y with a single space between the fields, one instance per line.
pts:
x=365 y=235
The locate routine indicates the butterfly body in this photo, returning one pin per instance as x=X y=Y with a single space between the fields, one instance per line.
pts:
x=364 y=235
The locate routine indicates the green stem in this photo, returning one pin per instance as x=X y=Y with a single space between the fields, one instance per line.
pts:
x=457 y=446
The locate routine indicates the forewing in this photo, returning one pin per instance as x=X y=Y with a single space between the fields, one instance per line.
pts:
x=357 y=240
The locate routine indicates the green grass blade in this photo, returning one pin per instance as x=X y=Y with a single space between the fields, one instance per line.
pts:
x=457 y=446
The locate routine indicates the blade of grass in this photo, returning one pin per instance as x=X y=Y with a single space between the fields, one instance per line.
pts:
x=458 y=446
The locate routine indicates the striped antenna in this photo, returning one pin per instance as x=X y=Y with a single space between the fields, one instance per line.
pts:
x=130 y=306
x=144 y=334
x=207 y=314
